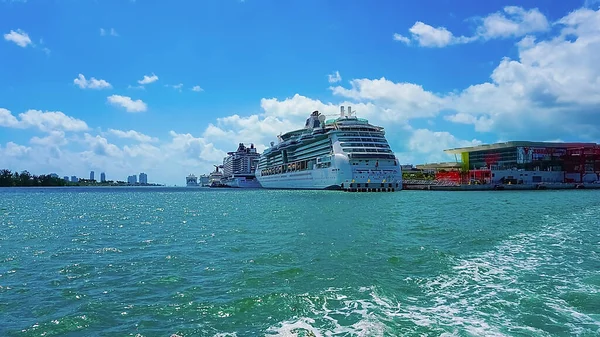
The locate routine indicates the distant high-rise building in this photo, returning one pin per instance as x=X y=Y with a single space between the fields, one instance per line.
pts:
x=143 y=178
x=53 y=175
x=132 y=179
x=103 y=177
x=91 y=175
x=74 y=179
x=66 y=178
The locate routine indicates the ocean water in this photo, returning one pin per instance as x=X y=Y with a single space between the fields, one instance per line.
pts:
x=205 y=262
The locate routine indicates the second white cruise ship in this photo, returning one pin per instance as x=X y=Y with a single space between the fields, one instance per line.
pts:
x=345 y=153
x=239 y=167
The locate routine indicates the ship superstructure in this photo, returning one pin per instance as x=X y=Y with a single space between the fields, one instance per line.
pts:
x=239 y=167
x=204 y=180
x=214 y=178
x=346 y=153
x=191 y=181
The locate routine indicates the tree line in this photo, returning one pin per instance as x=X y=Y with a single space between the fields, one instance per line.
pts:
x=16 y=179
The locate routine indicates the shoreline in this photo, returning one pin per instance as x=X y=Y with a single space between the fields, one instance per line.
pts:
x=502 y=187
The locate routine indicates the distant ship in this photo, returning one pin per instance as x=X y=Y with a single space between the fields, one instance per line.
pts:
x=191 y=181
x=239 y=167
x=204 y=180
x=345 y=153
x=214 y=178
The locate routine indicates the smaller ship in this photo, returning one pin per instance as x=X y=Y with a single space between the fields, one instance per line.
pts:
x=204 y=180
x=239 y=167
x=214 y=179
x=191 y=181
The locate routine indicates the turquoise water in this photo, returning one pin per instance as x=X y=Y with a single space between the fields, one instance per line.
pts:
x=203 y=262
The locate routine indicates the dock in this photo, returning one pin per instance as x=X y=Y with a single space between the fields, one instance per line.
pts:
x=499 y=187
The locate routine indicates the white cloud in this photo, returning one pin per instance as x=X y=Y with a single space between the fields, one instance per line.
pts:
x=14 y=150
x=335 y=77
x=7 y=119
x=177 y=87
x=592 y=4
x=127 y=103
x=429 y=36
x=52 y=120
x=197 y=88
x=100 y=146
x=19 y=37
x=140 y=87
x=132 y=134
x=195 y=148
x=55 y=138
x=148 y=79
x=396 y=101
x=544 y=91
x=45 y=121
x=433 y=143
x=92 y=83
x=401 y=38
x=111 y=32
x=512 y=21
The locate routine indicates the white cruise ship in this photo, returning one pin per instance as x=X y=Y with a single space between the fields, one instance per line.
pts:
x=191 y=181
x=204 y=180
x=345 y=153
x=239 y=167
x=214 y=178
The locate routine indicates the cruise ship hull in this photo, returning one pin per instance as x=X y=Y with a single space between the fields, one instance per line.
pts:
x=241 y=182
x=338 y=177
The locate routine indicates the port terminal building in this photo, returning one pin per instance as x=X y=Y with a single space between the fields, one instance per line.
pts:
x=520 y=162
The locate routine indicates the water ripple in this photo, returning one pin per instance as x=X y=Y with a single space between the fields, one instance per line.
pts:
x=182 y=262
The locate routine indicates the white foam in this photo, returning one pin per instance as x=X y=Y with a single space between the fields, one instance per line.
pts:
x=475 y=297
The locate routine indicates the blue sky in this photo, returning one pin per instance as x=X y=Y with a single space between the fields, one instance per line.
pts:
x=435 y=74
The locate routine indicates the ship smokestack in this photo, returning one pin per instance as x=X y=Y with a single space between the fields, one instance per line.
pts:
x=342 y=111
x=349 y=111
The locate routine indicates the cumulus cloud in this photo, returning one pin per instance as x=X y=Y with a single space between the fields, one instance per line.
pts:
x=46 y=121
x=19 y=37
x=100 y=146
x=335 y=77
x=512 y=21
x=126 y=102
x=429 y=36
x=147 y=79
x=15 y=150
x=197 y=88
x=54 y=138
x=433 y=143
x=132 y=134
x=108 y=32
x=544 y=90
x=177 y=87
x=92 y=83
x=401 y=38
x=395 y=101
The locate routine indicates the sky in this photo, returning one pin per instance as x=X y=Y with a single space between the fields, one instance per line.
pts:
x=168 y=87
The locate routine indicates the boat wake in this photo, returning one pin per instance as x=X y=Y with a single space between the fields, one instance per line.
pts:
x=527 y=285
